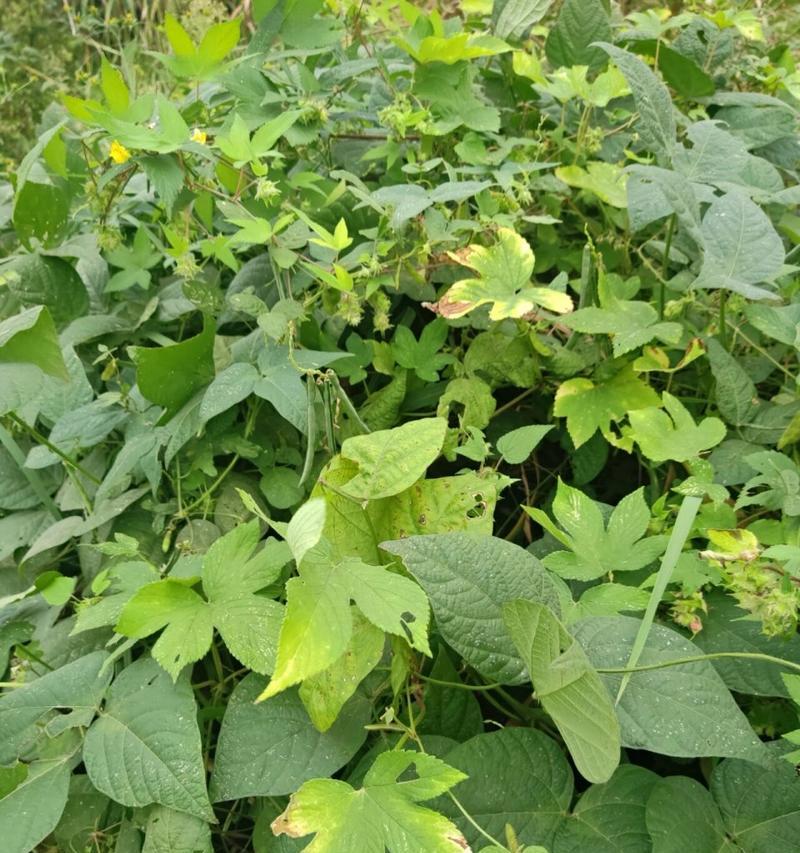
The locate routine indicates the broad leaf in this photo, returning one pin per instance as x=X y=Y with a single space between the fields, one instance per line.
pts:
x=579 y=25
x=700 y=828
x=67 y=697
x=741 y=249
x=760 y=803
x=468 y=579
x=656 y=124
x=681 y=710
x=390 y=461
x=170 y=375
x=145 y=746
x=531 y=785
x=271 y=748
x=169 y=831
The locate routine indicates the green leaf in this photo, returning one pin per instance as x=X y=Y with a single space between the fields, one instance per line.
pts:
x=271 y=748
x=610 y=818
x=656 y=123
x=384 y=814
x=170 y=831
x=305 y=529
x=171 y=375
x=449 y=711
x=514 y=18
x=468 y=579
x=233 y=572
x=165 y=175
x=473 y=401
x=115 y=90
x=760 y=803
x=568 y=688
x=32 y=800
x=422 y=356
x=145 y=746
x=579 y=25
x=776 y=485
x=741 y=249
x=700 y=828
x=594 y=548
x=53 y=282
x=66 y=697
x=681 y=710
x=605 y=180
x=41 y=211
x=201 y=61
x=389 y=461
x=505 y=271
x=735 y=393
x=589 y=406
x=325 y=694
x=781 y=324
x=631 y=324
x=531 y=785
x=318 y=624
x=516 y=446
x=663 y=436
x=445 y=504
x=30 y=337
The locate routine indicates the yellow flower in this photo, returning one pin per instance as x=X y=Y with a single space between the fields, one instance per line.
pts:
x=199 y=136
x=119 y=153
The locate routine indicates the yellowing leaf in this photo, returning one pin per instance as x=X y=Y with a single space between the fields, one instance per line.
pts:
x=605 y=180
x=589 y=406
x=382 y=815
x=663 y=436
x=505 y=270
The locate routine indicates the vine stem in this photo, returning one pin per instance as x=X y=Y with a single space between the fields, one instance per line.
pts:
x=662 y=285
x=699 y=659
x=32 y=476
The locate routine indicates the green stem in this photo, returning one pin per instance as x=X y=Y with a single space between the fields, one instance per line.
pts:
x=699 y=659
x=32 y=476
x=67 y=460
x=662 y=286
x=458 y=685
x=723 y=326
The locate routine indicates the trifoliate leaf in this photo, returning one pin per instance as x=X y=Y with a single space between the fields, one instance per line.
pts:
x=232 y=575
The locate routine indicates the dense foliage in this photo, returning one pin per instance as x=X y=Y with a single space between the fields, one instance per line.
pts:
x=399 y=423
